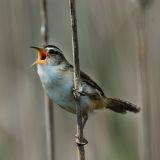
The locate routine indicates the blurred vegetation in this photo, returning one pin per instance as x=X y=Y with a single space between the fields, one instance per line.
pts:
x=119 y=48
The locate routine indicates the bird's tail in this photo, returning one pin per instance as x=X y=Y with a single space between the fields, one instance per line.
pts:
x=120 y=106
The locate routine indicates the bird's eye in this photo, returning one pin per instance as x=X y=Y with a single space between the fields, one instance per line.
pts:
x=51 y=51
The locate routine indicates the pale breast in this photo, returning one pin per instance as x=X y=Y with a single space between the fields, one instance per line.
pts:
x=58 y=84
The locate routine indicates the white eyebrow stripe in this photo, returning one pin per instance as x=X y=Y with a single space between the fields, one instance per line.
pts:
x=53 y=48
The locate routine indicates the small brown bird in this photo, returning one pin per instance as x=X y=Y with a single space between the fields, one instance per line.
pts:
x=56 y=75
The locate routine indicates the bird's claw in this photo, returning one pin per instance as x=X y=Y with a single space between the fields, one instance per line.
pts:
x=80 y=142
x=79 y=91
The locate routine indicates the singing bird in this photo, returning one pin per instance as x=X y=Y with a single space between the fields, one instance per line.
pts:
x=56 y=75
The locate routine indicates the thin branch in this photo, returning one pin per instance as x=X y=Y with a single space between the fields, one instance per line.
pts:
x=49 y=111
x=81 y=151
x=44 y=26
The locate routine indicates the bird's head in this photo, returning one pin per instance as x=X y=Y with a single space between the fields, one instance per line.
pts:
x=50 y=55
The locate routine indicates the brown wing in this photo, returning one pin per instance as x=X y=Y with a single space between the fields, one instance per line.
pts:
x=89 y=81
x=85 y=78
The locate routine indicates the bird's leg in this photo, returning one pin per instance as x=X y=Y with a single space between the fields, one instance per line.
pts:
x=77 y=138
x=85 y=118
x=81 y=92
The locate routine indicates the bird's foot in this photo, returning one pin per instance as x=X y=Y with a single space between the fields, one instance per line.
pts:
x=79 y=91
x=80 y=142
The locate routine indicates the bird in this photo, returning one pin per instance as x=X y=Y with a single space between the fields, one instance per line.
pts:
x=56 y=75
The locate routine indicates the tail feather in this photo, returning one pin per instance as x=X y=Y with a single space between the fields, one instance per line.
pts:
x=121 y=106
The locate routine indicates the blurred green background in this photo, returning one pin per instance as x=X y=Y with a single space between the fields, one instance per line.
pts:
x=119 y=48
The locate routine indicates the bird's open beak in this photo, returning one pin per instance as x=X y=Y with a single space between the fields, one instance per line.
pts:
x=42 y=55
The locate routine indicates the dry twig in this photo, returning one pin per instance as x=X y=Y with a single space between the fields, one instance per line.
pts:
x=49 y=119
x=81 y=151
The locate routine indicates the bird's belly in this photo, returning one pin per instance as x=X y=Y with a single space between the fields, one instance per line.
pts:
x=59 y=88
x=63 y=97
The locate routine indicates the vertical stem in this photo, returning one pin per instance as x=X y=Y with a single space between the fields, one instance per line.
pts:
x=49 y=111
x=44 y=26
x=81 y=151
x=49 y=123
x=144 y=82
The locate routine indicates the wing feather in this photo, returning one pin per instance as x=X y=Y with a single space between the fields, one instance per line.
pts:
x=85 y=78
